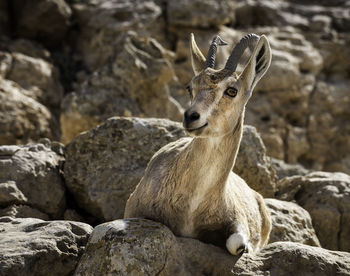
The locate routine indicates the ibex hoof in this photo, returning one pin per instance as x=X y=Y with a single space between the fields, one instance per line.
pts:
x=237 y=244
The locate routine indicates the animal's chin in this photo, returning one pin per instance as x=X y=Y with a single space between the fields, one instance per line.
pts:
x=196 y=131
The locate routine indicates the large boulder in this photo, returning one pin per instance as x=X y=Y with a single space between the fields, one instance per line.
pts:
x=290 y=222
x=22 y=119
x=34 y=247
x=326 y=196
x=104 y=165
x=253 y=165
x=30 y=175
x=44 y=20
x=133 y=83
x=138 y=246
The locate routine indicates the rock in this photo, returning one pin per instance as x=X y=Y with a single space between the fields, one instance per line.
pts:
x=134 y=83
x=328 y=129
x=288 y=258
x=290 y=222
x=138 y=246
x=104 y=165
x=42 y=83
x=25 y=47
x=103 y=22
x=22 y=119
x=326 y=196
x=253 y=165
x=283 y=169
x=35 y=247
x=152 y=242
x=31 y=175
x=200 y=14
x=33 y=21
x=22 y=211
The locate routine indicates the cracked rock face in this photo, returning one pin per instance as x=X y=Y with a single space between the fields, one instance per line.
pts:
x=31 y=183
x=326 y=196
x=35 y=247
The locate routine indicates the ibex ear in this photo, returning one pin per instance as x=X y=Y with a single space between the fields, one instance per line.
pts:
x=197 y=58
x=258 y=64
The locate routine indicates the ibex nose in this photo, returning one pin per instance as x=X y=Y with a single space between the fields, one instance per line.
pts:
x=191 y=116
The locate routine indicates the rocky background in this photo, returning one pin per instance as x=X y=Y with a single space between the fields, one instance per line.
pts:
x=91 y=89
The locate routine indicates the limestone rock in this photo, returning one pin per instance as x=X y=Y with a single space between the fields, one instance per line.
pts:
x=290 y=222
x=22 y=119
x=134 y=83
x=22 y=211
x=34 y=247
x=44 y=20
x=284 y=169
x=200 y=14
x=253 y=165
x=329 y=108
x=326 y=196
x=138 y=246
x=30 y=175
x=42 y=84
x=103 y=22
x=288 y=258
x=104 y=165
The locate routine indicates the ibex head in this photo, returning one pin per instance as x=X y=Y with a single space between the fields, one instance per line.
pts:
x=218 y=97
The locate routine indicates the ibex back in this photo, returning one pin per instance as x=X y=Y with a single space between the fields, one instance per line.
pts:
x=189 y=184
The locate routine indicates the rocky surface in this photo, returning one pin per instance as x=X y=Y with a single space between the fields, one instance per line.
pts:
x=326 y=196
x=138 y=246
x=31 y=175
x=284 y=169
x=22 y=119
x=35 y=247
x=290 y=222
x=134 y=83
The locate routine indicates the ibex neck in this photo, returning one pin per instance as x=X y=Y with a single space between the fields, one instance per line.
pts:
x=217 y=155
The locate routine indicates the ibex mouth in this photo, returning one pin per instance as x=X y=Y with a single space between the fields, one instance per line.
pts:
x=198 y=128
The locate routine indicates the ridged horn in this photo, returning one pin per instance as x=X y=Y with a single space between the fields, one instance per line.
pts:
x=247 y=41
x=210 y=62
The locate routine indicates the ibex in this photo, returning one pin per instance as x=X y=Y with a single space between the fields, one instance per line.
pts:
x=189 y=184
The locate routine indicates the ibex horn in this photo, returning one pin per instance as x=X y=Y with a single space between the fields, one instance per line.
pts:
x=247 y=41
x=212 y=51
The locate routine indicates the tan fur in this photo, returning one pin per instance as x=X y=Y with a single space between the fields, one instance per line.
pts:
x=189 y=184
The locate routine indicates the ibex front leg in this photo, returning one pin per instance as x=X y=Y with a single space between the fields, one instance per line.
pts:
x=238 y=242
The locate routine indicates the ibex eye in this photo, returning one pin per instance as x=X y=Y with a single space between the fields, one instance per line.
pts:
x=231 y=91
x=189 y=90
